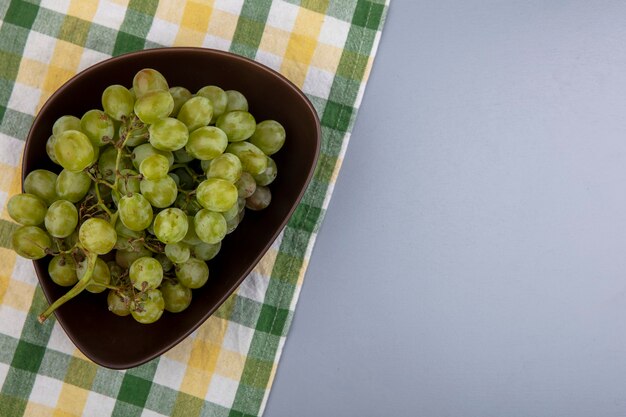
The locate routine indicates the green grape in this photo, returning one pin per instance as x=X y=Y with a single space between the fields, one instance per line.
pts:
x=148 y=80
x=206 y=251
x=269 y=136
x=165 y=262
x=70 y=241
x=62 y=270
x=160 y=193
x=107 y=163
x=185 y=181
x=27 y=209
x=216 y=194
x=65 y=123
x=192 y=274
x=116 y=273
x=260 y=199
x=143 y=151
x=147 y=307
x=177 y=252
x=135 y=211
x=168 y=134
x=218 y=98
x=41 y=183
x=128 y=183
x=177 y=297
x=118 y=303
x=226 y=166
x=72 y=186
x=252 y=158
x=188 y=204
x=145 y=273
x=98 y=127
x=175 y=177
x=127 y=244
x=180 y=96
x=125 y=258
x=100 y=275
x=206 y=142
x=238 y=125
x=231 y=212
x=96 y=155
x=170 y=225
x=241 y=202
x=236 y=101
x=118 y=102
x=196 y=112
x=269 y=175
x=31 y=242
x=245 y=185
x=210 y=226
x=204 y=164
x=154 y=106
x=191 y=238
x=154 y=167
x=133 y=136
x=123 y=231
x=182 y=157
x=97 y=235
x=232 y=224
x=50 y=149
x=61 y=218
x=73 y=150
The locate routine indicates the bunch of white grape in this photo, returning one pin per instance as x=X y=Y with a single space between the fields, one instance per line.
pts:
x=149 y=187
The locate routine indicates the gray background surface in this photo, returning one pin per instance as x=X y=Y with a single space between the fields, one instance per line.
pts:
x=472 y=261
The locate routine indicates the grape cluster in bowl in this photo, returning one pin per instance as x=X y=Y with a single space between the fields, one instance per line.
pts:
x=150 y=185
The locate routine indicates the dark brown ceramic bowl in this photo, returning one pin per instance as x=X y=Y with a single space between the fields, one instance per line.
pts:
x=120 y=342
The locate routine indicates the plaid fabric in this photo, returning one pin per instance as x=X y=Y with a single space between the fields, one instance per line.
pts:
x=225 y=368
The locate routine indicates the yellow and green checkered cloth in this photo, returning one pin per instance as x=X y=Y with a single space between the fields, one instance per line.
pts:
x=226 y=368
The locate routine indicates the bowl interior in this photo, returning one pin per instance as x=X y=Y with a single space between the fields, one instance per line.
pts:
x=120 y=342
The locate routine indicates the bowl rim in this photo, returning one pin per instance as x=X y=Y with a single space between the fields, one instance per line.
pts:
x=155 y=51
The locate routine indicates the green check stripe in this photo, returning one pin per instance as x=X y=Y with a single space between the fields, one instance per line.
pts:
x=250 y=26
x=135 y=27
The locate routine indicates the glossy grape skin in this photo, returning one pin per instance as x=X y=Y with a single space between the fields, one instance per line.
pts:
x=41 y=183
x=252 y=158
x=170 y=225
x=160 y=193
x=226 y=166
x=165 y=262
x=180 y=96
x=65 y=123
x=148 y=80
x=148 y=308
x=206 y=143
x=31 y=242
x=135 y=212
x=192 y=274
x=246 y=185
x=218 y=98
x=206 y=251
x=238 y=125
x=168 y=134
x=72 y=186
x=216 y=194
x=128 y=183
x=177 y=297
x=98 y=127
x=117 y=102
x=50 y=149
x=269 y=136
x=123 y=231
x=61 y=218
x=236 y=101
x=74 y=150
x=118 y=304
x=62 y=270
x=97 y=235
x=232 y=224
x=146 y=273
x=191 y=238
x=100 y=275
x=177 y=252
x=143 y=151
x=210 y=226
x=231 y=212
x=154 y=106
x=27 y=209
x=261 y=198
x=126 y=258
x=268 y=176
x=154 y=167
x=196 y=112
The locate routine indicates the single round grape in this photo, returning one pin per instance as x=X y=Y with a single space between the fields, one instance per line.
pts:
x=204 y=164
x=125 y=258
x=232 y=224
x=97 y=235
x=260 y=199
x=210 y=226
x=118 y=303
x=252 y=158
x=65 y=123
x=160 y=193
x=133 y=136
x=127 y=243
x=117 y=102
x=74 y=150
x=27 y=209
x=143 y=151
x=168 y=134
x=206 y=251
x=218 y=98
x=147 y=307
x=241 y=202
x=188 y=204
x=196 y=112
x=238 y=125
x=128 y=183
x=148 y=80
x=231 y=212
x=185 y=180
x=191 y=238
x=181 y=156
x=206 y=142
x=146 y=273
x=98 y=127
x=31 y=242
x=70 y=241
x=50 y=149
x=177 y=252
x=226 y=166
x=107 y=163
x=216 y=194
x=154 y=167
x=123 y=231
x=154 y=106
x=245 y=185
x=72 y=186
x=192 y=274
x=100 y=275
x=170 y=225
x=236 y=101
x=62 y=270
x=269 y=136
x=177 y=297
x=269 y=175
x=96 y=155
x=61 y=218
x=41 y=183
x=180 y=96
x=135 y=211
x=165 y=262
